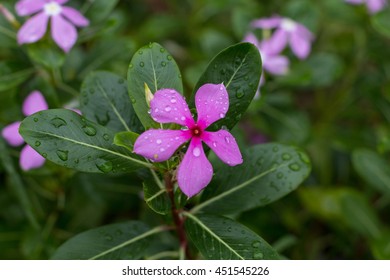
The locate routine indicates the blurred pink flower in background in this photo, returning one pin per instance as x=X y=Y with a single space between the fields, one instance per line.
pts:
x=29 y=158
x=286 y=32
x=373 y=6
x=63 y=22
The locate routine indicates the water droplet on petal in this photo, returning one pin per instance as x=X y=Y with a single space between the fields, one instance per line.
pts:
x=168 y=108
x=173 y=100
x=158 y=141
x=214 y=144
x=183 y=118
x=196 y=152
x=162 y=150
x=222 y=115
x=227 y=139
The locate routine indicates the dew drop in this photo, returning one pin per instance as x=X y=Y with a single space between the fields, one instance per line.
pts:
x=294 y=167
x=162 y=150
x=121 y=81
x=58 y=122
x=131 y=65
x=183 y=118
x=108 y=237
x=169 y=57
x=240 y=94
x=258 y=256
x=227 y=139
x=162 y=50
x=89 y=130
x=168 y=108
x=229 y=229
x=256 y=244
x=214 y=144
x=304 y=158
x=104 y=165
x=163 y=64
x=141 y=64
x=133 y=101
x=36 y=120
x=222 y=115
x=63 y=155
x=44 y=155
x=158 y=141
x=106 y=137
x=279 y=175
x=196 y=152
x=140 y=52
x=37 y=143
x=76 y=161
x=286 y=156
x=173 y=100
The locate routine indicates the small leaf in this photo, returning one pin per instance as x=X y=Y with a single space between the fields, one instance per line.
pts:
x=126 y=139
x=381 y=23
x=98 y=10
x=220 y=238
x=124 y=241
x=154 y=66
x=68 y=139
x=238 y=68
x=46 y=54
x=104 y=100
x=373 y=169
x=269 y=172
x=156 y=196
x=12 y=75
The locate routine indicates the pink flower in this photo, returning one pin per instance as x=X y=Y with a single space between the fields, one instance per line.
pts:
x=63 y=20
x=168 y=106
x=373 y=6
x=287 y=32
x=29 y=158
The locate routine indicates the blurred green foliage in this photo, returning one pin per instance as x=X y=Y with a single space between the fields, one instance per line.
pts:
x=335 y=105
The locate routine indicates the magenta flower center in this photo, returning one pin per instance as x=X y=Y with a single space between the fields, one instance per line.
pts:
x=196 y=131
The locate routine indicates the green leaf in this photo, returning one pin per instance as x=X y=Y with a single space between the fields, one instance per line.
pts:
x=238 y=68
x=343 y=206
x=98 y=10
x=12 y=75
x=68 y=139
x=156 y=196
x=269 y=172
x=126 y=139
x=373 y=169
x=46 y=54
x=104 y=100
x=152 y=65
x=220 y=238
x=381 y=23
x=127 y=240
x=381 y=247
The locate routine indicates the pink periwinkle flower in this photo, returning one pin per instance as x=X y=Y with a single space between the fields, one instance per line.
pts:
x=168 y=106
x=63 y=22
x=289 y=32
x=373 y=6
x=29 y=158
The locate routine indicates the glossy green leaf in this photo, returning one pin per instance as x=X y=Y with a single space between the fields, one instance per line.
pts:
x=238 y=68
x=342 y=206
x=373 y=169
x=12 y=75
x=127 y=240
x=126 y=139
x=269 y=172
x=68 y=139
x=152 y=65
x=104 y=100
x=220 y=238
x=156 y=196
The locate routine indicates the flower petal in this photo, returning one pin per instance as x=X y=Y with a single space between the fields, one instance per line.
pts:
x=28 y=7
x=33 y=103
x=11 y=134
x=276 y=43
x=30 y=159
x=224 y=145
x=195 y=171
x=267 y=23
x=63 y=33
x=300 y=43
x=277 y=64
x=75 y=16
x=212 y=103
x=159 y=144
x=354 y=1
x=375 y=6
x=251 y=38
x=168 y=106
x=33 y=29
x=61 y=1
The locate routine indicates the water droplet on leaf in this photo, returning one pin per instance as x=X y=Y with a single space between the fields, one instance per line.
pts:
x=104 y=165
x=89 y=130
x=294 y=167
x=58 y=122
x=63 y=155
x=37 y=143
